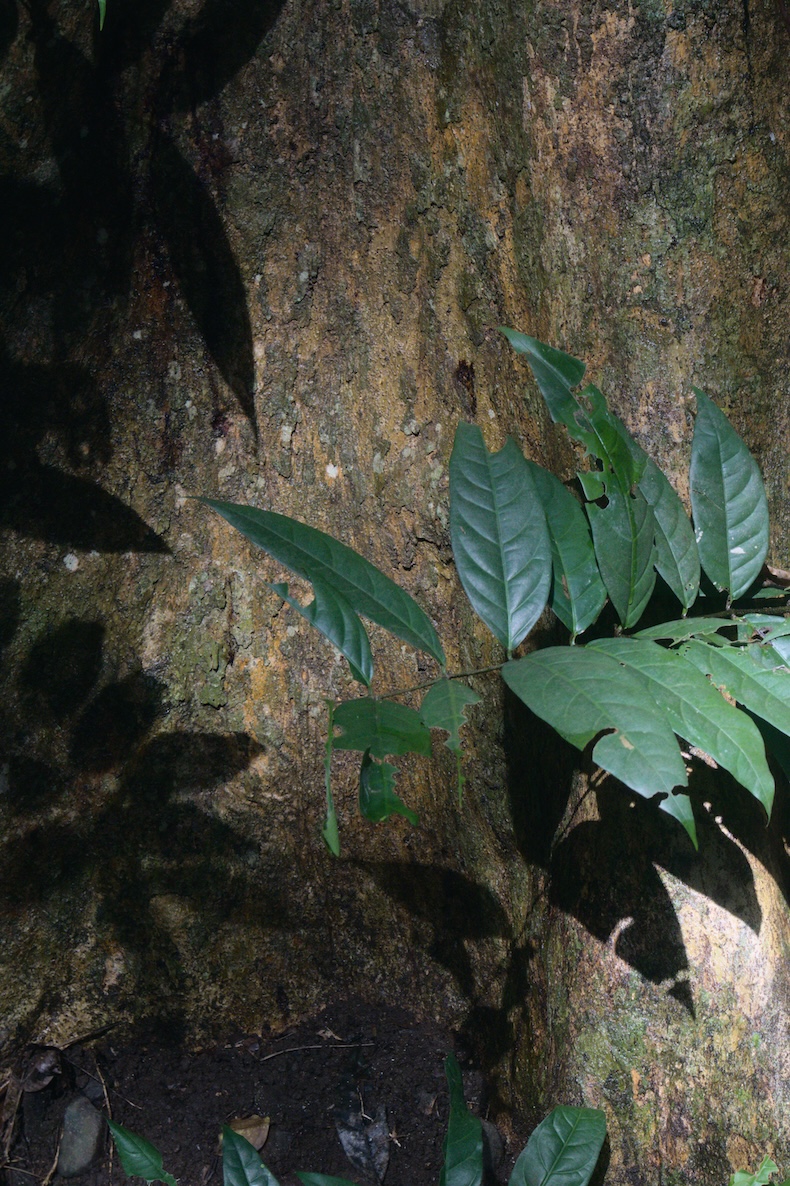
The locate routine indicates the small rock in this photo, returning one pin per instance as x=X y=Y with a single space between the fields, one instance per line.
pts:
x=83 y=1127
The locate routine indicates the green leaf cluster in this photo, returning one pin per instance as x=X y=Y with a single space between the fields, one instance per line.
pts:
x=562 y=1151
x=715 y=678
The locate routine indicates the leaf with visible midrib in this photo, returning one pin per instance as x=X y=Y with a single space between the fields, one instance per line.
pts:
x=313 y=554
x=499 y=536
x=763 y=691
x=381 y=726
x=582 y=693
x=139 y=1158
x=241 y=1163
x=563 y=1150
x=728 y=501
x=335 y=619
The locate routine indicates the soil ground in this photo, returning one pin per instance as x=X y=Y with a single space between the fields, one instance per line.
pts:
x=351 y=1057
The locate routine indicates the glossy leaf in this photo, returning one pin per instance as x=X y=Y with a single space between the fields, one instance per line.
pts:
x=499 y=535
x=577 y=594
x=463 y=1145
x=623 y=534
x=697 y=712
x=677 y=558
x=444 y=707
x=314 y=555
x=582 y=693
x=381 y=726
x=728 y=501
x=139 y=1158
x=683 y=628
x=241 y=1163
x=335 y=619
x=377 y=798
x=764 y=692
x=555 y=373
x=679 y=807
x=563 y=1150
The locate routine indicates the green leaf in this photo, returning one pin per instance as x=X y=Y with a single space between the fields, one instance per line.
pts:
x=761 y=1177
x=623 y=534
x=499 y=536
x=764 y=692
x=728 y=501
x=563 y=1150
x=683 y=628
x=102 y=13
x=679 y=807
x=463 y=1145
x=677 y=558
x=377 y=798
x=581 y=693
x=444 y=707
x=381 y=726
x=314 y=555
x=555 y=373
x=322 y=1180
x=578 y=594
x=139 y=1158
x=698 y=713
x=330 y=831
x=333 y=616
x=241 y=1164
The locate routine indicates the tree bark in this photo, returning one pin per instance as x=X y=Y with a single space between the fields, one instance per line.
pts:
x=262 y=256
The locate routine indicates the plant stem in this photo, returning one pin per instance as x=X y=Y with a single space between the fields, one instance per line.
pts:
x=430 y=682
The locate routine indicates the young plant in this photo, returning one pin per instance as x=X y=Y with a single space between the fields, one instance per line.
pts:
x=562 y=1151
x=715 y=676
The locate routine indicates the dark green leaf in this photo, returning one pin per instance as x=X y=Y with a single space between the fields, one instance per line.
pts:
x=623 y=534
x=377 y=798
x=679 y=807
x=314 y=555
x=677 y=558
x=563 y=1150
x=578 y=594
x=139 y=1158
x=581 y=693
x=241 y=1165
x=683 y=628
x=333 y=616
x=761 y=1177
x=381 y=726
x=463 y=1145
x=330 y=831
x=444 y=707
x=697 y=712
x=499 y=536
x=102 y=13
x=322 y=1180
x=555 y=373
x=764 y=692
x=728 y=501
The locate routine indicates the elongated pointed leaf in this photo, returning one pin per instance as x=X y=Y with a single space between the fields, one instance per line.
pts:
x=444 y=707
x=764 y=692
x=377 y=798
x=683 y=628
x=555 y=373
x=728 y=501
x=697 y=712
x=679 y=807
x=381 y=726
x=499 y=535
x=333 y=616
x=577 y=594
x=139 y=1158
x=581 y=693
x=463 y=1145
x=677 y=558
x=623 y=533
x=314 y=555
x=241 y=1163
x=563 y=1150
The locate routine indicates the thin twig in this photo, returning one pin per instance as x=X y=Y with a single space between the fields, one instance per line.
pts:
x=321 y=1046
x=430 y=682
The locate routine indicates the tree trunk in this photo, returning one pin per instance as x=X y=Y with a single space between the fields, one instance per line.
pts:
x=261 y=256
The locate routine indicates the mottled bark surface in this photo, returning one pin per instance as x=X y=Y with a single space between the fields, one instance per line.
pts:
x=261 y=255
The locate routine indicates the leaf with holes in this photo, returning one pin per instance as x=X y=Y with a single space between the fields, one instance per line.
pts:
x=377 y=798
x=728 y=501
x=697 y=712
x=581 y=693
x=764 y=691
x=314 y=555
x=381 y=726
x=499 y=536
x=444 y=707
x=682 y=628
x=563 y=1150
